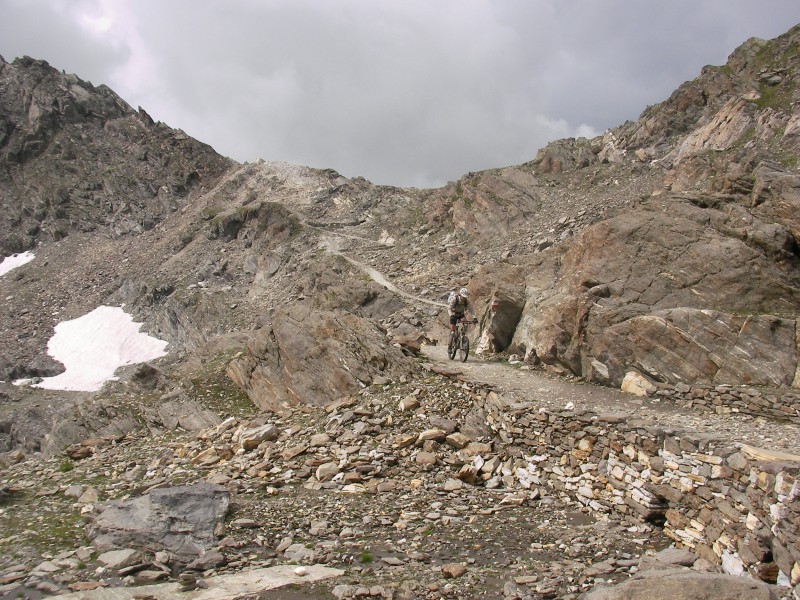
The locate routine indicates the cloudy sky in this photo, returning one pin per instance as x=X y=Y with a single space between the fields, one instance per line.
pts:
x=402 y=92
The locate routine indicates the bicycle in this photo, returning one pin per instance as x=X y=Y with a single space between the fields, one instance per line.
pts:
x=459 y=341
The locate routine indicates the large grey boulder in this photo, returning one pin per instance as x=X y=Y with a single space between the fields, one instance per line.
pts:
x=184 y=520
x=185 y=413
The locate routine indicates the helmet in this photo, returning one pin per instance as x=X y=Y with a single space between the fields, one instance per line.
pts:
x=463 y=292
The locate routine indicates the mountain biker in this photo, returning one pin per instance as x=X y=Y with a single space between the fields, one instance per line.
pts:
x=457 y=305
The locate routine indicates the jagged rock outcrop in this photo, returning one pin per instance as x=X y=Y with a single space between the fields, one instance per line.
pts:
x=701 y=346
x=77 y=158
x=486 y=205
x=680 y=292
x=313 y=356
x=503 y=288
x=699 y=282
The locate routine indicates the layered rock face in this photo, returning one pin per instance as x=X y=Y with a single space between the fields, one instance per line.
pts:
x=313 y=356
x=673 y=291
x=700 y=282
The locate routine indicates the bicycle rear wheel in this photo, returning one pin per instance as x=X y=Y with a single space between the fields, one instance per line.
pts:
x=464 y=349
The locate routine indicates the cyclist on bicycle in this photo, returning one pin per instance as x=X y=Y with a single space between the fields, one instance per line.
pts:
x=457 y=305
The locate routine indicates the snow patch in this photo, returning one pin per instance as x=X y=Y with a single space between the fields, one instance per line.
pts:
x=14 y=261
x=94 y=346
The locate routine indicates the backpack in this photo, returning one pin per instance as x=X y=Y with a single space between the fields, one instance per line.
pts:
x=456 y=303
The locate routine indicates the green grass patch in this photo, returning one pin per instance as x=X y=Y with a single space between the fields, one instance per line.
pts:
x=366 y=556
x=788 y=159
x=748 y=135
x=51 y=528
x=773 y=96
x=416 y=216
x=459 y=192
x=210 y=212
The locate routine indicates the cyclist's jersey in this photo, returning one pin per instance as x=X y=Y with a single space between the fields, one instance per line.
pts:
x=457 y=305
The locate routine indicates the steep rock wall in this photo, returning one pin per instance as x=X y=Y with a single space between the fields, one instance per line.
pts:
x=679 y=292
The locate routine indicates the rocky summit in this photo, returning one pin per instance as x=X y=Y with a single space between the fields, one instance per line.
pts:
x=626 y=424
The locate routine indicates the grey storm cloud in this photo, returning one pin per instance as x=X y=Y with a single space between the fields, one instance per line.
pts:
x=402 y=92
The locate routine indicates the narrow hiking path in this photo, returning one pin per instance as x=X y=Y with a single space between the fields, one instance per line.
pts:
x=520 y=384
x=341 y=234
x=332 y=245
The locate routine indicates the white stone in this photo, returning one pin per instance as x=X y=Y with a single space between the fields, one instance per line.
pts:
x=117 y=559
x=778 y=512
x=600 y=368
x=327 y=471
x=637 y=384
x=452 y=485
x=752 y=522
x=89 y=496
x=709 y=458
x=409 y=403
x=784 y=484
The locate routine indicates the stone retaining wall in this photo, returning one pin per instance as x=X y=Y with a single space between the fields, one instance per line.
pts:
x=726 y=399
x=734 y=505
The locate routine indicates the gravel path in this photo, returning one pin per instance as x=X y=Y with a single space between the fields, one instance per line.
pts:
x=524 y=384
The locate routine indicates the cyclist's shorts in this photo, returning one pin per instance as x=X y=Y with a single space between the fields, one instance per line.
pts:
x=454 y=319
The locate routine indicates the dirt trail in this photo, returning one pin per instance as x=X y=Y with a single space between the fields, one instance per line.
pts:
x=332 y=245
x=520 y=384
x=544 y=391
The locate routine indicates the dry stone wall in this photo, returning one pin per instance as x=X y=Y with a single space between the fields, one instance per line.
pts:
x=733 y=504
x=726 y=399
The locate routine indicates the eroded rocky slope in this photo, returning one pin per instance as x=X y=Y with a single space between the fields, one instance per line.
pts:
x=663 y=253
x=698 y=282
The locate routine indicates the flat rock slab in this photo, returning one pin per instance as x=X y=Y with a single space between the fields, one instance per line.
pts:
x=683 y=585
x=222 y=587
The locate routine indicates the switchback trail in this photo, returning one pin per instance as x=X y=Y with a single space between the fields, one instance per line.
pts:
x=332 y=246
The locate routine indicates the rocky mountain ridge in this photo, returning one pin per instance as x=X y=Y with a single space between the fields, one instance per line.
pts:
x=663 y=252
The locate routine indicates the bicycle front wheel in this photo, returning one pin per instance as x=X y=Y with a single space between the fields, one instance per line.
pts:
x=464 y=349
